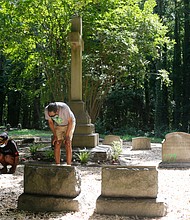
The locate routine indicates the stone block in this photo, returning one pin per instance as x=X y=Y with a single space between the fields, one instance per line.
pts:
x=43 y=203
x=109 y=139
x=130 y=207
x=129 y=181
x=176 y=148
x=75 y=37
x=83 y=140
x=79 y=110
x=47 y=179
x=141 y=143
x=101 y=153
x=85 y=129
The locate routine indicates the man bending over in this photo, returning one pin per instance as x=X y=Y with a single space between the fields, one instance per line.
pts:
x=62 y=122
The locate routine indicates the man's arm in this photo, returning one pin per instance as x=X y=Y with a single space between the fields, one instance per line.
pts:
x=69 y=127
x=51 y=126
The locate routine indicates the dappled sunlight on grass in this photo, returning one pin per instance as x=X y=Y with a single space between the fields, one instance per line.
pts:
x=28 y=133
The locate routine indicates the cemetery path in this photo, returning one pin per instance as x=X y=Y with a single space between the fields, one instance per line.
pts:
x=173 y=184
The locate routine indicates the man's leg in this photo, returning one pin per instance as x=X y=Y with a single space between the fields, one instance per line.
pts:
x=68 y=148
x=57 y=149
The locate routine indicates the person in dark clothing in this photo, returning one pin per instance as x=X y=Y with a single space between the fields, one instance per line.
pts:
x=9 y=154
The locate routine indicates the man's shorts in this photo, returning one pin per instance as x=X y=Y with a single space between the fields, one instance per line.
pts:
x=61 y=131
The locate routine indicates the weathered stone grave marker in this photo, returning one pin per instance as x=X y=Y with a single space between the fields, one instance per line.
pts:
x=176 y=150
x=130 y=191
x=50 y=188
x=141 y=143
x=109 y=139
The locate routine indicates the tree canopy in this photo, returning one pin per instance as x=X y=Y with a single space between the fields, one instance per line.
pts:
x=129 y=79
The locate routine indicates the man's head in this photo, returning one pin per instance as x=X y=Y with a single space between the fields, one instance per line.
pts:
x=3 y=139
x=52 y=109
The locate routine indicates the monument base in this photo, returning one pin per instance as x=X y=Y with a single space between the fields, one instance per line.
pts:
x=85 y=140
x=44 y=203
x=84 y=135
x=130 y=207
x=180 y=165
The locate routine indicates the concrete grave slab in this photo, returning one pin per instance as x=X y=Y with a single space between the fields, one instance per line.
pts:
x=130 y=207
x=43 y=203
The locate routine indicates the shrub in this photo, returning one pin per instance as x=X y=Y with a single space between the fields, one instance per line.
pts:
x=83 y=156
x=33 y=149
x=49 y=154
x=116 y=150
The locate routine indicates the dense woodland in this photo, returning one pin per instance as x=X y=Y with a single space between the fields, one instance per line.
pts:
x=136 y=62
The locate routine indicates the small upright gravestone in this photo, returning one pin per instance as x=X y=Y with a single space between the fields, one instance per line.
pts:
x=109 y=139
x=50 y=188
x=141 y=143
x=176 y=150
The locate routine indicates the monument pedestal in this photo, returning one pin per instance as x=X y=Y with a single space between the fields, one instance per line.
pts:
x=84 y=135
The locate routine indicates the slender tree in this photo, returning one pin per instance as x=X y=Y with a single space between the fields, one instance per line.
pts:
x=177 y=70
x=186 y=67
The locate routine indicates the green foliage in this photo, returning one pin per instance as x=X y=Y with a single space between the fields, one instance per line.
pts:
x=49 y=155
x=116 y=150
x=83 y=156
x=122 y=42
x=29 y=133
x=33 y=149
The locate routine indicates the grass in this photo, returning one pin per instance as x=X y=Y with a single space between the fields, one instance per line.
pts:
x=45 y=133
x=28 y=133
x=153 y=139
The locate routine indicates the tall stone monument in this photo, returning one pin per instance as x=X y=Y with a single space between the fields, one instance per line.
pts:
x=84 y=135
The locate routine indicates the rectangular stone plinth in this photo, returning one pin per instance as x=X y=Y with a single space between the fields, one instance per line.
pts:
x=47 y=179
x=129 y=181
x=41 y=203
x=174 y=165
x=130 y=207
x=85 y=140
x=84 y=129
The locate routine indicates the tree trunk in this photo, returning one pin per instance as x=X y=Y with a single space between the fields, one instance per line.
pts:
x=177 y=73
x=186 y=68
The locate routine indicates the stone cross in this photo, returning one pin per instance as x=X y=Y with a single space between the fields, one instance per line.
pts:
x=84 y=135
x=77 y=46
